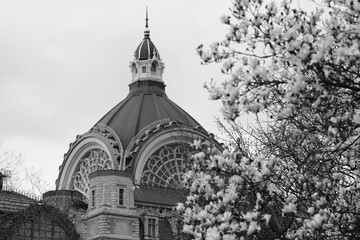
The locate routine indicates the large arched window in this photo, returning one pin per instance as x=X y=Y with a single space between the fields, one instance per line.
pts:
x=165 y=167
x=93 y=160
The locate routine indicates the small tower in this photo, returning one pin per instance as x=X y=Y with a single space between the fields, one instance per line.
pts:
x=111 y=213
x=147 y=64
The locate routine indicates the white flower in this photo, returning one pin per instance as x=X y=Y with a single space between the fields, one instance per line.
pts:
x=197 y=143
x=266 y=217
x=285 y=113
x=310 y=210
x=317 y=220
x=226 y=217
x=289 y=208
x=356 y=118
x=229 y=237
x=212 y=234
x=188 y=228
x=180 y=207
x=253 y=226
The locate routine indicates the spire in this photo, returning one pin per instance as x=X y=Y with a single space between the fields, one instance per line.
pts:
x=146 y=19
x=147 y=30
x=147 y=64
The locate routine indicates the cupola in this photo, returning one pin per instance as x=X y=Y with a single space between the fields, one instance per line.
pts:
x=147 y=64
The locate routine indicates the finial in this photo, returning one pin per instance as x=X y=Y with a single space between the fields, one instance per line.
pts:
x=146 y=19
x=147 y=30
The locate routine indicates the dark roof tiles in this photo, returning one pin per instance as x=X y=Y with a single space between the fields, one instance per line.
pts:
x=11 y=201
x=157 y=196
x=145 y=104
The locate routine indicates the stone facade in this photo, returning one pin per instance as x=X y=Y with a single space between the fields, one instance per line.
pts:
x=111 y=213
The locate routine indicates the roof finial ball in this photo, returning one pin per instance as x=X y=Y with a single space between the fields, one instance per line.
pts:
x=147 y=30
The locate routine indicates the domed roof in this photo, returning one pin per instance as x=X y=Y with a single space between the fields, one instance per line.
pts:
x=145 y=104
x=146 y=50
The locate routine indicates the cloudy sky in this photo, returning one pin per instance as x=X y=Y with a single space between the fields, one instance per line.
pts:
x=64 y=64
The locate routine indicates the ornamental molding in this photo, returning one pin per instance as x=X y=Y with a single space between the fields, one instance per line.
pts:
x=182 y=133
x=113 y=140
x=163 y=135
x=168 y=214
x=155 y=125
x=155 y=211
x=99 y=137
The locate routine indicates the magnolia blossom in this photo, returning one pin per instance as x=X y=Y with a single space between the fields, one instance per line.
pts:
x=295 y=173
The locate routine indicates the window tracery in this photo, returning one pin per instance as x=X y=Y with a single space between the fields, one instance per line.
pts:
x=93 y=160
x=165 y=167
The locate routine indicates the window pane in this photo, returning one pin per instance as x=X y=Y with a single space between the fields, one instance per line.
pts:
x=121 y=196
x=151 y=227
x=93 y=198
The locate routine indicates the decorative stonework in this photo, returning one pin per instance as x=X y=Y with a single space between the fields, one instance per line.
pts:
x=93 y=161
x=113 y=140
x=104 y=227
x=155 y=211
x=163 y=213
x=135 y=229
x=165 y=167
x=164 y=132
x=83 y=233
x=99 y=137
x=143 y=133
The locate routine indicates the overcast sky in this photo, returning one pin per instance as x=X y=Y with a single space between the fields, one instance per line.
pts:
x=65 y=64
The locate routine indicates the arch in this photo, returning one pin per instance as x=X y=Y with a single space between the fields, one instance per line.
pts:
x=100 y=138
x=154 y=67
x=134 y=69
x=93 y=160
x=151 y=148
x=165 y=166
x=75 y=161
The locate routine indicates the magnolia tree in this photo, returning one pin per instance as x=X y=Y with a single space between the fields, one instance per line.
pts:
x=295 y=176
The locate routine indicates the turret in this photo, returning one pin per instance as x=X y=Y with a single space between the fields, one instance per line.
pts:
x=111 y=213
x=147 y=64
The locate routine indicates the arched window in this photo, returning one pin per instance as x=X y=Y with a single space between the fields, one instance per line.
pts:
x=165 y=167
x=153 y=67
x=134 y=69
x=93 y=160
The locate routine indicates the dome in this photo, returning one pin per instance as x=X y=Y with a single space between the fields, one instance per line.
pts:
x=146 y=135
x=146 y=50
x=145 y=104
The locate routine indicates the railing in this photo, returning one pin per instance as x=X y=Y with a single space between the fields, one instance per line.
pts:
x=24 y=193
